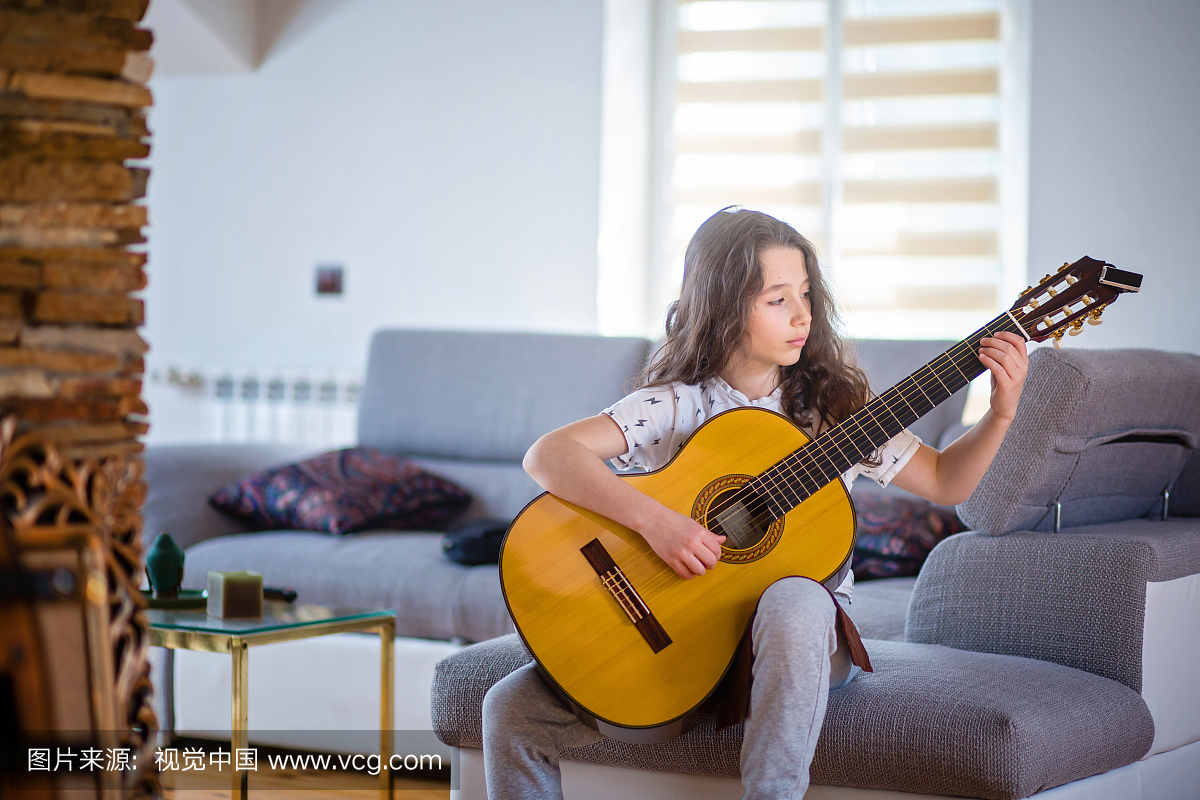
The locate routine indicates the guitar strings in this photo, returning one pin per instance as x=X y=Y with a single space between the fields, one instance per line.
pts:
x=944 y=366
x=774 y=479
x=920 y=381
x=917 y=381
x=916 y=384
x=778 y=482
x=777 y=479
x=923 y=379
x=856 y=434
x=787 y=469
x=662 y=573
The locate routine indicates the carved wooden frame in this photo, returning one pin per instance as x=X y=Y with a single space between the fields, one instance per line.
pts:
x=92 y=506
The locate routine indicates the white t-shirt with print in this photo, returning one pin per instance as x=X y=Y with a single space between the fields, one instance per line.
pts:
x=657 y=420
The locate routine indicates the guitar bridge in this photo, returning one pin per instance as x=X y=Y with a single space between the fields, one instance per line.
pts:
x=627 y=597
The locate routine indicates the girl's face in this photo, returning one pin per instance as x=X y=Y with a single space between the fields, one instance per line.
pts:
x=780 y=315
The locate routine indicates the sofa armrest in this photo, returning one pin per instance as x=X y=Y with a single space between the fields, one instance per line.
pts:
x=1076 y=598
x=180 y=478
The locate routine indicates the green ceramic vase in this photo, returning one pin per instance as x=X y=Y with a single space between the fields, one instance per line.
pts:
x=164 y=566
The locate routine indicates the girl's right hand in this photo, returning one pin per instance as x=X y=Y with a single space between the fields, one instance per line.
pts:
x=684 y=544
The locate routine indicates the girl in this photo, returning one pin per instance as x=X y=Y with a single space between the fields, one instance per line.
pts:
x=754 y=326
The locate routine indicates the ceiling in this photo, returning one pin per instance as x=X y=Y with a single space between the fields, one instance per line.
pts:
x=196 y=37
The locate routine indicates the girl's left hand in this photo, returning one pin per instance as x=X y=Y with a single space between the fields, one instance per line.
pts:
x=1005 y=356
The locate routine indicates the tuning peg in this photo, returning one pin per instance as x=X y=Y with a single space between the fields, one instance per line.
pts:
x=1064 y=266
x=1094 y=319
x=1076 y=328
x=1052 y=292
x=1071 y=279
x=1058 y=340
x=1048 y=277
x=1033 y=303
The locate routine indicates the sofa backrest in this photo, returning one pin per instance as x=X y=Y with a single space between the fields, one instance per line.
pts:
x=887 y=362
x=536 y=382
x=1103 y=432
x=487 y=395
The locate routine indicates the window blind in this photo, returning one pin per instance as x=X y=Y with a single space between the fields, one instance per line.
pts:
x=873 y=126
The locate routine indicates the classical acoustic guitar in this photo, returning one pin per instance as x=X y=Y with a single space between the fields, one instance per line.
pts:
x=633 y=647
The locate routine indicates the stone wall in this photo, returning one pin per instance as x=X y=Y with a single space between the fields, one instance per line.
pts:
x=72 y=106
x=72 y=115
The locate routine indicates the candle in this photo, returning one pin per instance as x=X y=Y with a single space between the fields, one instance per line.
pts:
x=235 y=594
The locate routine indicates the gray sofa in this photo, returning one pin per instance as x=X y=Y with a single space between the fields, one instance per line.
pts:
x=1027 y=657
x=466 y=405
x=1032 y=659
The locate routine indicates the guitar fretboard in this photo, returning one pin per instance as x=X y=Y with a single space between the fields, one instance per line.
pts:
x=799 y=475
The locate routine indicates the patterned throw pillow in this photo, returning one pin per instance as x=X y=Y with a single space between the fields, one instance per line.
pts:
x=895 y=535
x=343 y=491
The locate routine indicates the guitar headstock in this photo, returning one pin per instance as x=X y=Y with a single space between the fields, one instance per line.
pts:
x=1063 y=301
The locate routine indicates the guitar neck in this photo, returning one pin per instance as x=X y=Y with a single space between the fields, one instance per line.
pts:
x=802 y=473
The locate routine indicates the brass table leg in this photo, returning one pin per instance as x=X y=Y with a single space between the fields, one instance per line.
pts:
x=387 y=678
x=239 y=648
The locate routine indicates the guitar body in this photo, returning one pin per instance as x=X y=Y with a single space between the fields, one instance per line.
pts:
x=576 y=624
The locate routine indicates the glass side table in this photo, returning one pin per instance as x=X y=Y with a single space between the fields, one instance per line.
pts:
x=280 y=622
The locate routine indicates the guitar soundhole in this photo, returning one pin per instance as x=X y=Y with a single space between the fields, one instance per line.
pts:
x=741 y=516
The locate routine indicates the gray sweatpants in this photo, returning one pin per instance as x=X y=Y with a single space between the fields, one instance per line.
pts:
x=797 y=658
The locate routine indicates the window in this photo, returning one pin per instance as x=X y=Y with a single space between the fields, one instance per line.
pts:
x=887 y=131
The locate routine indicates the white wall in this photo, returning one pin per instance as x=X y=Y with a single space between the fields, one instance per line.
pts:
x=446 y=153
x=1115 y=158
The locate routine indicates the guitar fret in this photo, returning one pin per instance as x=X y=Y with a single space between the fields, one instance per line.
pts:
x=916 y=382
x=773 y=490
x=895 y=421
x=777 y=509
x=807 y=483
x=774 y=501
x=904 y=400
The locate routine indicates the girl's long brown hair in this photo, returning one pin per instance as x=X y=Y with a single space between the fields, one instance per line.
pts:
x=722 y=277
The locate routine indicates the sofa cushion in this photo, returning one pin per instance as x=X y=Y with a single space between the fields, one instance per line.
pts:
x=1103 y=432
x=928 y=719
x=434 y=598
x=895 y=534
x=179 y=479
x=342 y=491
x=463 y=394
x=498 y=489
x=879 y=607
